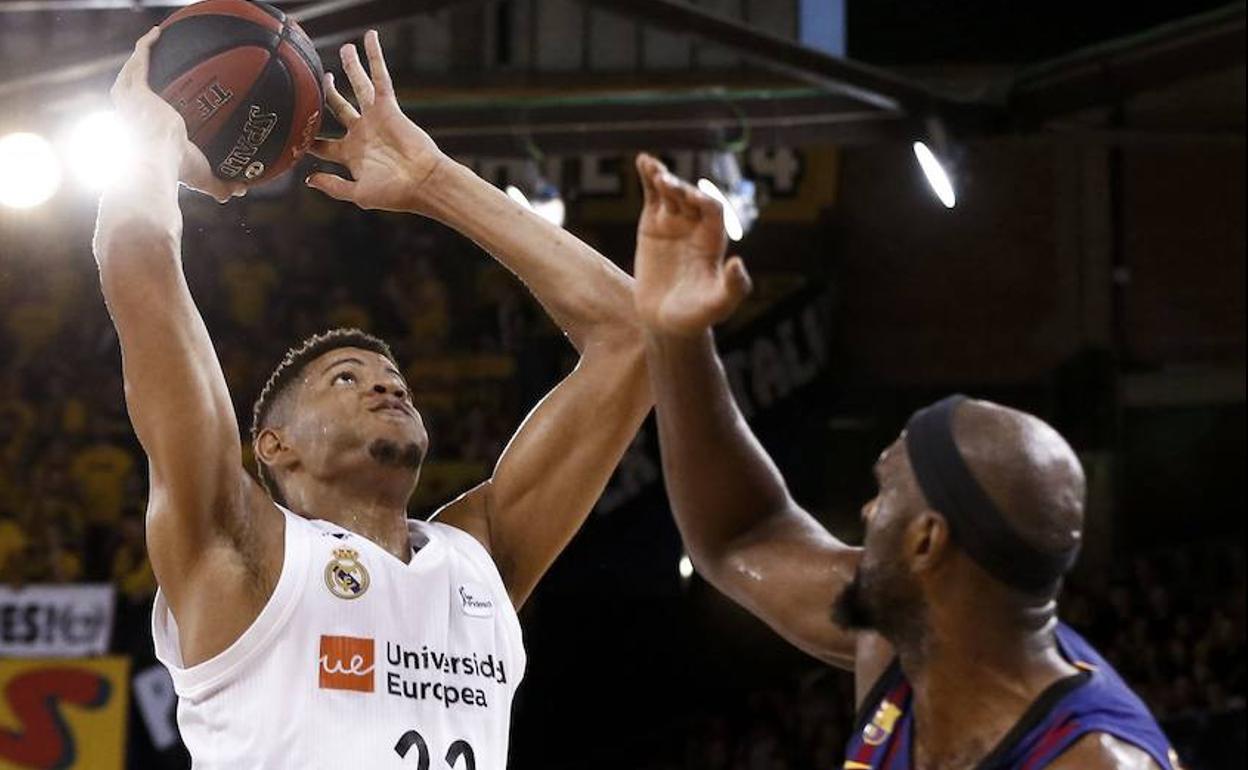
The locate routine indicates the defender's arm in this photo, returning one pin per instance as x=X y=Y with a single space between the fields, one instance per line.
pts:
x=175 y=391
x=742 y=528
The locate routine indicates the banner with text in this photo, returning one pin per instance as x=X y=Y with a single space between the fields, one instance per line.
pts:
x=55 y=621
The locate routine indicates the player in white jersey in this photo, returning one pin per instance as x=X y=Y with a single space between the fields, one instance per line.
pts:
x=306 y=622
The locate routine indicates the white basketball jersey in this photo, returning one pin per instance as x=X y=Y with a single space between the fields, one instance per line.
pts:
x=359 y=661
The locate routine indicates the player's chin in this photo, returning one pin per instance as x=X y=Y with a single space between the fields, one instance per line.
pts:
x=398 y=451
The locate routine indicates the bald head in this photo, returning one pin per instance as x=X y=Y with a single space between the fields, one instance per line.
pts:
x=1028 y=471
x=996 y=489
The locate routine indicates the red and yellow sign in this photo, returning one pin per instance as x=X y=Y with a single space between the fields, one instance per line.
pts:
x=66 y=714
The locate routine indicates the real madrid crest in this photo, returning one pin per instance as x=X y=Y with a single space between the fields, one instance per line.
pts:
x=345 y=576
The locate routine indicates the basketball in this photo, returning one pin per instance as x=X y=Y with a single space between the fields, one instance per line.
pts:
x=247 y=81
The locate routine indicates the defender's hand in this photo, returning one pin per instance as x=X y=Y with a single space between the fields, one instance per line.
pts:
x=684 y=286
x=389 y=156
x=159 y=130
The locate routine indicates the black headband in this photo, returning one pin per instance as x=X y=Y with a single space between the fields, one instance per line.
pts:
x=974 y=521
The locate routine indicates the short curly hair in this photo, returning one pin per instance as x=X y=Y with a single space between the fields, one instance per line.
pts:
x=287 y=373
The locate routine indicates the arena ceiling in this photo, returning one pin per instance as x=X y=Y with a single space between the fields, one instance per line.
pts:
x=798 y=96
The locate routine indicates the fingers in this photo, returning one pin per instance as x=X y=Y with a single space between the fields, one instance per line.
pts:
x=734 y=285
x=334 y=186
x=697 y=206
x=690 y=202
x=649 y=169
x=360 y=84
x=136 y=67
x=708 y=207
x=141 y=59
x=220 y=192
x=338 y=104
x=328 y=149
x=226 y=193
x=737 y=282
x=377 y=64
x=679 y=197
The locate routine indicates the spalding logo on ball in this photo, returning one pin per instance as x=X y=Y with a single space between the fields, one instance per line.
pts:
x=247 y=81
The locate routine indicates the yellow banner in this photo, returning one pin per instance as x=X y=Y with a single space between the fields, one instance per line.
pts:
x=63 y=714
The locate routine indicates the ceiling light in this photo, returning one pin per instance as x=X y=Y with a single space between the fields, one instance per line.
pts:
x=99 y=149
x=937 y=176
x=29 y=171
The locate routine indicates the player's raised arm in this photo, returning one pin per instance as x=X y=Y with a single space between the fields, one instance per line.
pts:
x=558 y=463
x=744 y=532
x=175 y=391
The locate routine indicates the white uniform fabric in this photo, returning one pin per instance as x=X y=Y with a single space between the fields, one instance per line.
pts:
x=359 y=661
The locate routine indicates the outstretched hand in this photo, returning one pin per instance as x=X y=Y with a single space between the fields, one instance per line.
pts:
x=683 y=284
x=389 y=156
x=158 y=129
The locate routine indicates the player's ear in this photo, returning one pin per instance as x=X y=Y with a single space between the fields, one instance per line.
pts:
x=272 y=450
x=928 y=540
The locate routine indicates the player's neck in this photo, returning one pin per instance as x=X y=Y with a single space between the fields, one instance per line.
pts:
x=992 y=671
x=381 y=520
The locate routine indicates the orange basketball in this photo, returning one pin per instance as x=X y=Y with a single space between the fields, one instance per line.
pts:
x=247 y=81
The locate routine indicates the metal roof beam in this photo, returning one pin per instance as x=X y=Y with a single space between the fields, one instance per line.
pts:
x=866 y=84
x=335 y=20
x=1112 y=72
x=699 y=118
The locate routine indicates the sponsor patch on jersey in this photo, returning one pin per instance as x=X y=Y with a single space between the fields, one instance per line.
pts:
x=475 y=601
x=345 y=576
x=346 y=663
x=881 y=724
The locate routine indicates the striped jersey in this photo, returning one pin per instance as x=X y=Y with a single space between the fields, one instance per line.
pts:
x=1096 y=700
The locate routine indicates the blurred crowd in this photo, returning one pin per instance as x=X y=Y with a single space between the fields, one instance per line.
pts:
x=72 y=478
x=1171 y=622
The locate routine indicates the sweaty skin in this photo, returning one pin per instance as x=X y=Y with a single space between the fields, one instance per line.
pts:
x=215 y=537
x=962 y=637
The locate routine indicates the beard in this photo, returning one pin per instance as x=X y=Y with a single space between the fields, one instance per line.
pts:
x=851 y=610
x=886 y=600
x=392 y=454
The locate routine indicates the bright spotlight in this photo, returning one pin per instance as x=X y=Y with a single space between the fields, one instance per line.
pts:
x=539 y=196
x=685 y=566
x=29 y=170
x=514 y=193
x=549 y=206
x=936 y=175
x=99 y=149
x=735 y=194
x=552 y=210
x=732 y=222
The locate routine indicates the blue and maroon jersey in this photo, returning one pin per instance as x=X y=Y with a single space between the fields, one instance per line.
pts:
x=1095 y=700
